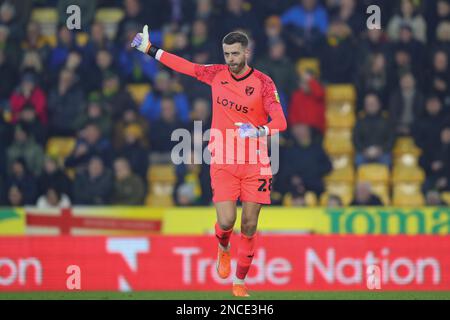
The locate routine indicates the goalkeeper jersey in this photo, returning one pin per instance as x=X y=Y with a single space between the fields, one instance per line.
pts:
x=250 y=98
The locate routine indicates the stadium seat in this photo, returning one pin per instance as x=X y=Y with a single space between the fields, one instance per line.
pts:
x=446 y=197
x=346 y=174
x=340 y=92
x=312 y=64
x=408 y=174
x=45 y=15
x=341 y=161
x=343 y=117
x=161 y=173
x=408 y=159
x=382 y=191
x=109 y=15
x=60 y=147
x=47 y=19
x=338 y=141
x=407 y=195
x=110 y=18
x=373 y=173
x=342 y=189
x=138 y=91
x=405 y=145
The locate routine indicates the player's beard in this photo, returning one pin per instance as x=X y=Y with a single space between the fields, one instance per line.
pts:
x=237 y=68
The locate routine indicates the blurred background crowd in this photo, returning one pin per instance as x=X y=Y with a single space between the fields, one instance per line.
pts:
x=86 y=120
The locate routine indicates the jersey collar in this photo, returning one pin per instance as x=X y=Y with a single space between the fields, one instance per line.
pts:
x=243 y=77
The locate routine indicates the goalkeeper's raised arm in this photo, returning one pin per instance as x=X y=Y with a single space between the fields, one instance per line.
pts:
x=142 y=43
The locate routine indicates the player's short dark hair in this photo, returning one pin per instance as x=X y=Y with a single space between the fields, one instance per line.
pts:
x=236 y=37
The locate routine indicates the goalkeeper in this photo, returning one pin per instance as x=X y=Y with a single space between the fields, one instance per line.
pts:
x=242 y=101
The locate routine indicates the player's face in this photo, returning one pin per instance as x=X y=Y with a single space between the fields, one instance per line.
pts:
x=235 y=56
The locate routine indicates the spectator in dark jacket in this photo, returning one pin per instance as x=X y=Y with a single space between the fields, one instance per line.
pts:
x=279 y=67
x=66 y=43
x=105 y=62
x=15 y=197
x=236 y=16
x=161 y=130
x=304 y=159
x=65 y=104
x=97 y=41
x=427 y=129
x=21 y=178
x=24 y=147
x=307 y=103
x=93 y=186
x=95 y=112
x=6 y=137
x=372 y=134
x=438 y=82
x=413 y=47
x=115 y=98
x=129 y=188
x=8 y=80
x=375 y=76
x=135 y=150
x=89 y=144
x=338 y=54
x=405 y=105
x=29 y=122
x=374 y=41
x=364 y=196
x=54 y=177
x=436 y=163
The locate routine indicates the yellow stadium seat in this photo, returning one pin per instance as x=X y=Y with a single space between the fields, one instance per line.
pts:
x=408 y=174
x=310 y=199
x=346 y=174
x=110 y=18
x=161 y=173
x=382 y=191
x=340 y=92
x=312 y=64
x=407 y=195
x=138 y=91
x=338 y=141
x=47 y=18
x=82 y=38
x=446 y=197
x=405 y=145
x=341 y=161
x=60 y=147
x=340 y=117
x=109 y=15
x=408 y=159
x=45 y=15
x=342 y=189
x=373 y=173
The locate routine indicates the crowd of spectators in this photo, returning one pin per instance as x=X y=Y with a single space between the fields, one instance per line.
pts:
x=401 y=74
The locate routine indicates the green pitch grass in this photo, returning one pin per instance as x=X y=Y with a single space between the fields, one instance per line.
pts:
x=255 y=295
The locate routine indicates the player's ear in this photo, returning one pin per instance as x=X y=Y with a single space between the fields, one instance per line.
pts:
x=247 y=52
